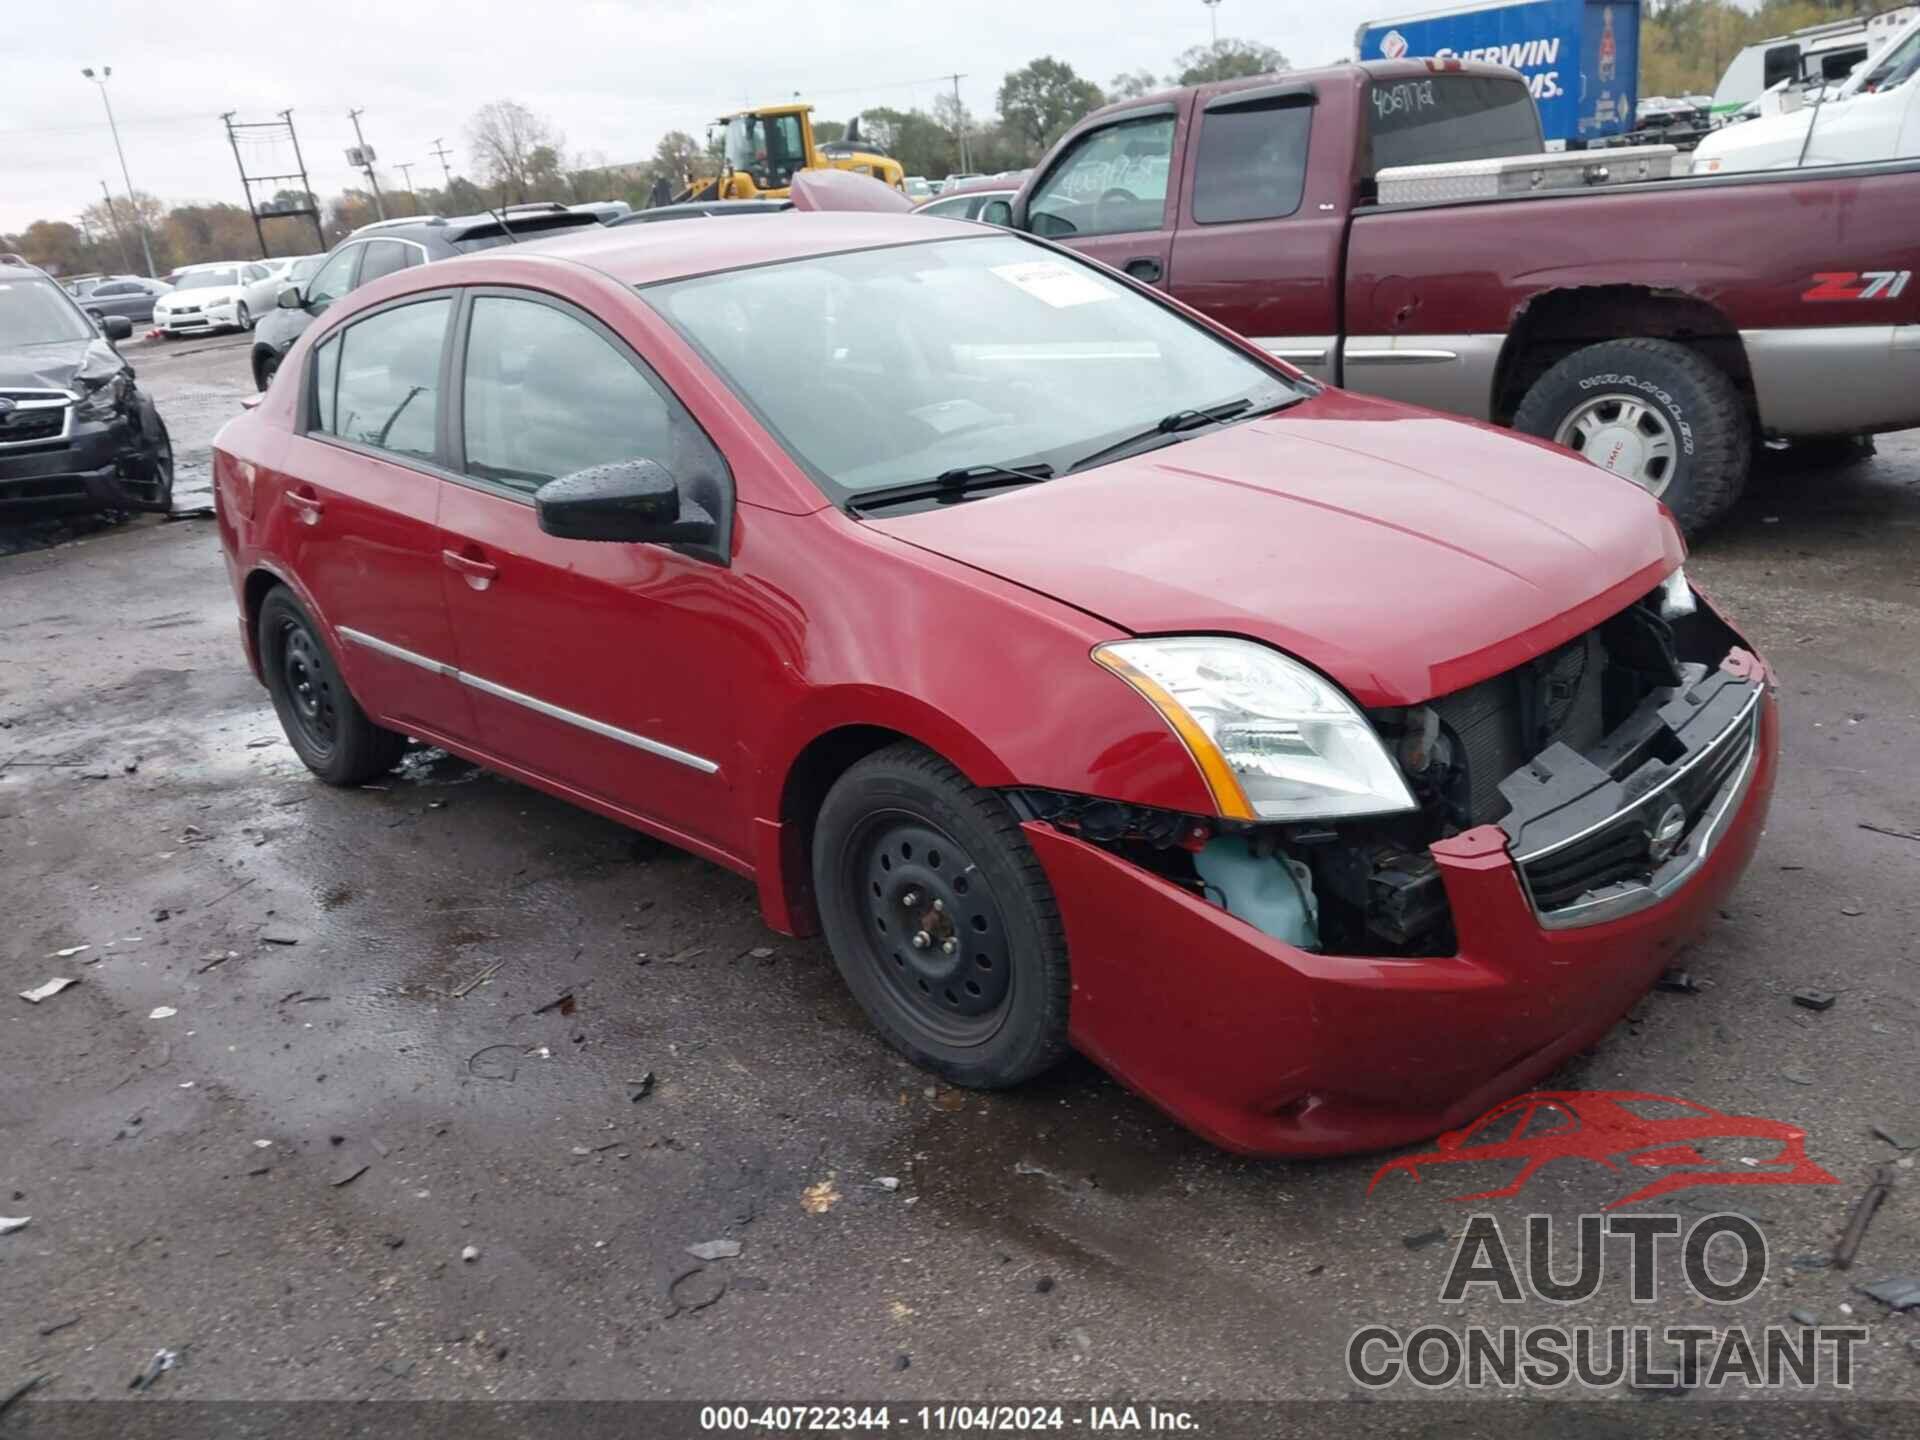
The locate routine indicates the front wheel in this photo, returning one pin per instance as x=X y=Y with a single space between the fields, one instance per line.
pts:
x=1653 y=412
x=941 y=920
x=242 y=318
x=328 y=730
x=265 y=363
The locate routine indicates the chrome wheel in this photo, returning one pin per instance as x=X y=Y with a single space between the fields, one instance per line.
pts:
x=1624 y=435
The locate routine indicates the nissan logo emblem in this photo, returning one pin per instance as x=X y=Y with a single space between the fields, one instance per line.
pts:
x=1665 y=834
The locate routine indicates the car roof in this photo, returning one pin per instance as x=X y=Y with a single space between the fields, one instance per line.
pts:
x=646 y=254
x=689 y=208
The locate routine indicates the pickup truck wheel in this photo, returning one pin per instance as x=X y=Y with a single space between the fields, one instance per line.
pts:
x=941 y=920
x=1652 y=412
x=328 y=730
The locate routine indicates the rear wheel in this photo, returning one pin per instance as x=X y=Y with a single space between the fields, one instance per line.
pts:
x=941 y=920
x=325 y=725
x=1653 y=412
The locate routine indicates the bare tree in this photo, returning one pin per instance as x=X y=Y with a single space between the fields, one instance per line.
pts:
x=1133 y=84
x=513 y=147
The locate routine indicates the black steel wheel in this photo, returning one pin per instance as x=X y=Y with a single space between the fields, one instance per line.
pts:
x=329 y=731
x=941 y=919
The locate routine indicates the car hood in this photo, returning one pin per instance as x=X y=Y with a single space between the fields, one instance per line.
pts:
x=62 y=365
x=1403 y=553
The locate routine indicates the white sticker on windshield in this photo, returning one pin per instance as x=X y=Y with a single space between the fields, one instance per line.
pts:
x=1058 y=285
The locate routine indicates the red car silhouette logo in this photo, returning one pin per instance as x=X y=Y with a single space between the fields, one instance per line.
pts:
x=1627 y=1131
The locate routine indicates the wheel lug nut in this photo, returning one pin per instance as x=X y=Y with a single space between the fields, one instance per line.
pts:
x=940 y=905
x=912 y=897
x=949 y=945
x=922 y=940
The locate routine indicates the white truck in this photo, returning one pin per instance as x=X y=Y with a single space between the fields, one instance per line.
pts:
x=1873 y=115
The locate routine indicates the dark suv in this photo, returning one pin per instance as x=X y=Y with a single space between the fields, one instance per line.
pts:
x=384 y=247
x=75 y=432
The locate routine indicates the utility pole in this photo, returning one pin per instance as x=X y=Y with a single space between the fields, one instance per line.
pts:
x=365 y=160
x=252 y=210
x=405 y=167
x=106 y=74
x=1213 y=18
x=960 y=120
x=441 y=150
x=126 y=255
x=306 y=188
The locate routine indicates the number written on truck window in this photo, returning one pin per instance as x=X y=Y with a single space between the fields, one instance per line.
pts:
x=1253 y=161
x=1114 y=180
x=1444 y=118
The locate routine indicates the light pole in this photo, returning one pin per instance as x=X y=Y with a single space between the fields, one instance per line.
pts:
x=106 y=73
x=1213 y=18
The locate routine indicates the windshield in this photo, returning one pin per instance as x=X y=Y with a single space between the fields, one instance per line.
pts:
x=767 y=147
x=208 y=279
x=37 y=312
x=888 y=366
x=1894 y=68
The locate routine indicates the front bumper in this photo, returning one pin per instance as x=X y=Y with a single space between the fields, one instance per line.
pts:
x=1271 y=1050
x=203 y=323
x=98 y=466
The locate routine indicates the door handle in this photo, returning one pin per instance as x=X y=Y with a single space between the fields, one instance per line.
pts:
x=1145 y=268
x=479 y=574
x=308 y=506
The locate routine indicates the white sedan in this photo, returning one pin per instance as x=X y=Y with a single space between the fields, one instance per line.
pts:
x=209 y=297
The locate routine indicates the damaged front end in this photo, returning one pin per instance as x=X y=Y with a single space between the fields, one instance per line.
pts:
x=1609 y=765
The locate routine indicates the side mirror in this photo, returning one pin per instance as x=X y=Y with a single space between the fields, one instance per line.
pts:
x=291 y=298
x=997 y=212
x=635 y=501
x=117 y=327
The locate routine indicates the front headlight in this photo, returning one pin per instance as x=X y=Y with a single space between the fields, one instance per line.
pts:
x=104 y=401
x=1275 y=740
x=1676 y=597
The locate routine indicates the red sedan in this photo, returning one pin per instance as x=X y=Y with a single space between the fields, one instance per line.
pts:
x=1325 y=769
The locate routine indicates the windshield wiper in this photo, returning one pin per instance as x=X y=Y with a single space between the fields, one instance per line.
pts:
x=1168 y=428
x=951 y=484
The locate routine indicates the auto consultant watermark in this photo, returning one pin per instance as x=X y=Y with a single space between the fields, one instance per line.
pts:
x=1723 y=1261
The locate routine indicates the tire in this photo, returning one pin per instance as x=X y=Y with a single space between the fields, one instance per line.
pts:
x=977 y=993
x=242 y=318
x=1638 y=397
x=163 y=471
x=265 y=365
x=325 y=725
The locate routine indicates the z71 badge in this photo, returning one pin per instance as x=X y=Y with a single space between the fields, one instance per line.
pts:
x=1858 y=285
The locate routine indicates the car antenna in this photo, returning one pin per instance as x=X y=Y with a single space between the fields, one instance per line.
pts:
x=501 y=216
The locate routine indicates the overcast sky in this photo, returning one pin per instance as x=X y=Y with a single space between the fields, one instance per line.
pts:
x=614 y=75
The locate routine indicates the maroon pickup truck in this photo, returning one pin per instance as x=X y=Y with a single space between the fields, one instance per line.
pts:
x=1661 y=328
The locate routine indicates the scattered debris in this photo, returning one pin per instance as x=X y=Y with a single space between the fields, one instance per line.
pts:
x=163 y=1012
x=216 y=959
x=563 y=1003
x=278 y=937
x=1814 y=999
x=1900 y=1139
x=223 y=895
x=352 y=1173
x=887 y=1182
x=1424 y=1238
x=638 y=1090
x=1863 y=1210
x=470 y=1253
x=1798 y=1077
x=503 y=1066
x=69 y=952
x=1812 y=1262
x=163 y=1361
x=902 y=1361
x=761 y=952
x=261 y=743
x=1803 y=1317
x=1898 y=1292
x=1851 y=910
x=714 y=1250
x=47 y=991
x=819 y=1197
x=1044 y=1285
x=485 y=975
x=263 y=1144
x=694 y=1297
x=1678 y=982
x=9 y=1224
x=57 y=1326
x=1888 y=830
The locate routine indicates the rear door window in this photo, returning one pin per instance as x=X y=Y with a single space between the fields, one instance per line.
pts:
x=1253 y=159
x=1113 y=181
x=1445 y=118
x=383 y=258
x=377 y=383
